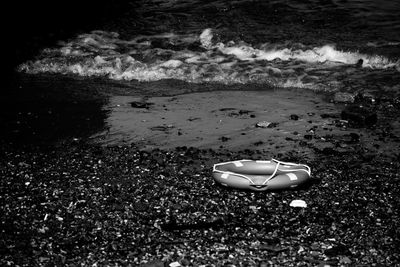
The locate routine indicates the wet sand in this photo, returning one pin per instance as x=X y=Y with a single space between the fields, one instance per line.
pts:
x=276 y=121
x=233 y=120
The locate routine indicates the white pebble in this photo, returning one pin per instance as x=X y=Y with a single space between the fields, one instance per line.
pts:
x=298 y=203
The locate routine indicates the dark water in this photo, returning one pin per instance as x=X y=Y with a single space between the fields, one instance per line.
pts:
x=142 y=46
x=319 y=45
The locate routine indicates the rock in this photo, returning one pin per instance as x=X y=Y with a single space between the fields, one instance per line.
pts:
x=328 y=151
x=162 y=128
x=345 y=260
x=241 y=113
x=330 y=115
x=339 y=249
x=359 y=63
x=365 y=98
x=24 y=165
x=273 y=125
x=298 y=203
x=138 y=104
x=185 y=262
x=193 y=118
x=341 y=97
x=302 y=143
x=294 y=117
x=263 y=124
x=308 y=136
x=224 y=138
x=354 y=137
x=266 y=124
x=359 y=116
x=140 y=206
x=258 y=143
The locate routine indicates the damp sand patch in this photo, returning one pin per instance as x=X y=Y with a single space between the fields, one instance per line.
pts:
x=277 y=120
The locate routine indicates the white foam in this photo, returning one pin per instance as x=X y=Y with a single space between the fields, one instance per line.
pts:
x=97 y=54
x=206 y=38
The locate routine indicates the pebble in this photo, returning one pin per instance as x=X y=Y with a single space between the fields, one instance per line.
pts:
x=341 y=97
x=137 y=104
x=359 y=115
x=298 y=203
x=346 y=260
x=266 y=124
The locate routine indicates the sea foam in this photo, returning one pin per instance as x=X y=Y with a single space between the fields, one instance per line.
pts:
x=198 y=59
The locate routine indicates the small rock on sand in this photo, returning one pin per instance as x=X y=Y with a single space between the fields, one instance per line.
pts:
x=137 y=104
x=359 y=115
x=342 y=97
x=266 y=124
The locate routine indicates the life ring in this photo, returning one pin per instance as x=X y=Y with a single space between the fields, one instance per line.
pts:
x=261 y=175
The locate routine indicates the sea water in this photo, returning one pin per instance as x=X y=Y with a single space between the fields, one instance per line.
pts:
x=318 y=45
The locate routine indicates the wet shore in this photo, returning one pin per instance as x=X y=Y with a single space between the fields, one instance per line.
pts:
x=69 y=201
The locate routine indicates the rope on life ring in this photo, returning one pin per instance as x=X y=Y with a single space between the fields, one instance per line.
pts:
x=290 y=172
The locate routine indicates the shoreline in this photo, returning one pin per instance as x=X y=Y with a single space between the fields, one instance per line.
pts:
x=72 y=201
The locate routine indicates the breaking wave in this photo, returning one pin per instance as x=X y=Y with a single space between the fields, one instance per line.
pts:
x=198 y=59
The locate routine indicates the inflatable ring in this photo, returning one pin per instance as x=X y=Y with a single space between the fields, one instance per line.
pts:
x=261 y=175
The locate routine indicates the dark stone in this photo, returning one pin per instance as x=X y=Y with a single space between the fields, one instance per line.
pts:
x=266 y=124
x=337 y=250
x=294 y=117
x=330 y=115
x=328 y=151
x=140 y=206
x=137 y=104
x=359 y=63
x=162 y=128
x=224 y=138
x=242 y=112
x=258 y=143
x=303 y=143
x=273 y=125
x=193 y=119
x=354 y=137
x=308 y=136
x=226 y=109
x=359 y=116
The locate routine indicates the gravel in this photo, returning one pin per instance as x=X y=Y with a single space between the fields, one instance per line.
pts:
x=80 y=204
